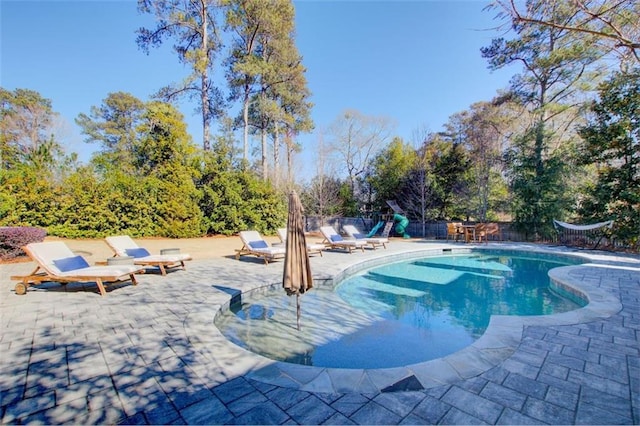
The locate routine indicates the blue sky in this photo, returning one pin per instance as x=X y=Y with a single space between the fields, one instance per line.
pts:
x=416 y=62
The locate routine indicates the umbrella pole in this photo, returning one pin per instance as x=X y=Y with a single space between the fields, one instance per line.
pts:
x=298 y=309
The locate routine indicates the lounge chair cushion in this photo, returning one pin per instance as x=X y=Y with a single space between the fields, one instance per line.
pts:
x=359 y=236
x=258 y=244
x=137 y=252
x=336 y=237
x=70 y=263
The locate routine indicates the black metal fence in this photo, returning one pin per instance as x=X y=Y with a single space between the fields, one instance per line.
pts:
x=428 y=230
x=437 y=230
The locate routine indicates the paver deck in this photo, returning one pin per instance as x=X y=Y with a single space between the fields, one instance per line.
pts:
x=150 y=354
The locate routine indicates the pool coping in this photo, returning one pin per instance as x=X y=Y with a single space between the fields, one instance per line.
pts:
x=500 y=340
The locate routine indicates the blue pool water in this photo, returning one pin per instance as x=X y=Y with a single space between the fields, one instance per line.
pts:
x=400 y=313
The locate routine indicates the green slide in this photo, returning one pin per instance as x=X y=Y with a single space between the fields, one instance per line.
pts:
x=401 y=225
x=375 y=229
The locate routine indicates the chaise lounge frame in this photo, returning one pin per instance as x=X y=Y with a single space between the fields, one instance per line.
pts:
x=312 y=248
x=268 y=253
x=101 y=275
x=374 y=242
x=328 y=232
x=119 y=244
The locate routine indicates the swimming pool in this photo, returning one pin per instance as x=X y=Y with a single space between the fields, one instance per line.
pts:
x=398 y=314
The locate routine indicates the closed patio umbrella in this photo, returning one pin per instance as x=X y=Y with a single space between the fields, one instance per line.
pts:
x=297 y=277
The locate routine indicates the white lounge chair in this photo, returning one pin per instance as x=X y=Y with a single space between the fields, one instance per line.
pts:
x=312 y=248
x=57 y=263
x=374 y=242
x=335 y=241
x=253 y=244
x=123 y=245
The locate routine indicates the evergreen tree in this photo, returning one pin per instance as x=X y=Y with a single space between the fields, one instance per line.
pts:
x=193 y=27
x=555 y=61
x=612 y=143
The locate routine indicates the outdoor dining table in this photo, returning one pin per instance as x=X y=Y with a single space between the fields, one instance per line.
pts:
x=469 y=233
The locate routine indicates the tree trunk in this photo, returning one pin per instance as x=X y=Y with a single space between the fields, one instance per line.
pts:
x=245 y=118
x=264 y=162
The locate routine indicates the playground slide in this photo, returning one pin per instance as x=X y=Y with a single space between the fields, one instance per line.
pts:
x=375 y=229
x=401 y=225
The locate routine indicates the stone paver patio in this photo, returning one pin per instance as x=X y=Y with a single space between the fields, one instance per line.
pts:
x=150 y=354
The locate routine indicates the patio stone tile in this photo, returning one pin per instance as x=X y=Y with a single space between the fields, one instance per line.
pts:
x=511 y=417
x=554 y=370
x=233 y=389
x=504 y=396
x=565 y=361
x=624 y=342
x=521 y=368
x=340 y=419
x=136 y=419
x=67 y=413
x=581 y=354
x=547 y=412
x=349 y=403
x=619 y=331
x=412 y=419
x=496 y=375
x=431 y=409
x=588 y=414
x=246 y=403
x=207 y=411
x=80 y=372
x=49 y=354
x=400 y=403
x=526 y=385
x=597 y=335
x=457 y=417
x=104 y=415
x=105 y=398
x=25 y=407
x=613 y=350
x=42 y=382
x=12 y=396
x=437 y=392
x=616 y=373
x=531 y=356
x=261 y=386
x=569 y=339
x=148 y=397
x=189 y=395
x=475 y=384
x=607 y=402
x=472 y=404
x=311 y=410
x=562 y=398
x=563 y=384
x=135 y=377
x=83 y=389
x=533 y=333
x=374 y=414
x=328 y=398
x=286 y=398
x=599 y=383
x=265 y=413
